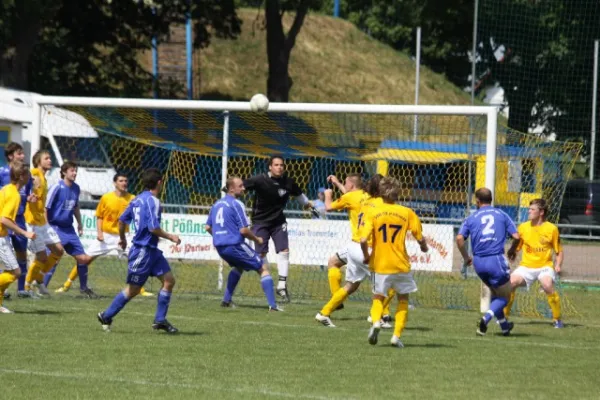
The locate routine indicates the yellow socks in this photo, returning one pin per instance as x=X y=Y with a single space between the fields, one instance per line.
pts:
x=334 y=275
x=50 y=262
x=376 y=310
x=554 y=303
x=72 y=276
x=510 y=304
x=6 y=278
x=401 y=317
x=387 y=301
x=338 y=298
x=34 y=273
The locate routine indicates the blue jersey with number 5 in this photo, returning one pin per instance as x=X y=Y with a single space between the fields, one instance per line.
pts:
x=145 y=212
x=226 y=218
x=488 y=228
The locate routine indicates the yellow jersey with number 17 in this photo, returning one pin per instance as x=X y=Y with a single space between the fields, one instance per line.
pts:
x=351 y=201
x=538 y=244
x=35 y=213
x=110 y=208
x=388 y=224
x=10 y=199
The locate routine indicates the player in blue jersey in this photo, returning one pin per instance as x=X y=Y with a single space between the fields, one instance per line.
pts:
x=62 y=204
x=229 y=226
x=145 y=259
x=489 y=228
x=14 y=153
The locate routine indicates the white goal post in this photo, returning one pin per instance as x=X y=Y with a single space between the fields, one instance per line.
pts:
x=489 y=112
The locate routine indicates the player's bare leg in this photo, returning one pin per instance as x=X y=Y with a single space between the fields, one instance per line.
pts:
x=516 y=281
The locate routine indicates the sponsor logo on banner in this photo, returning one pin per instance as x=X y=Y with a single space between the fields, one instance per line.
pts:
x=312 y=241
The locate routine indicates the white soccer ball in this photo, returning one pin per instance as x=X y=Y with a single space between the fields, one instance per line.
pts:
x=259 y=103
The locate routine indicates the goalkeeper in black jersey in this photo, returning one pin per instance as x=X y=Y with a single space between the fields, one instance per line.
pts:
x=271 y=193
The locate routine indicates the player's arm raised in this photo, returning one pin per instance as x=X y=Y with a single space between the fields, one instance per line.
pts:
x=336 y=182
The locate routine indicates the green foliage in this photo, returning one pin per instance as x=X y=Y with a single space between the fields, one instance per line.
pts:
x=93 y=47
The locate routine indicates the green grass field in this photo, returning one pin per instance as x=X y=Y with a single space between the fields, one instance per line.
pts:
x=55 y=348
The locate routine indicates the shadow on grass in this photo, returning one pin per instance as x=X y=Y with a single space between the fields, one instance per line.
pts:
x=429 y=345
x=549 y=324
x=42 y=312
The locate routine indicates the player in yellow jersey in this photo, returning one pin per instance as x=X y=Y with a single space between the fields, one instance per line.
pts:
x=353 y=200
x=110 y=208
x=387 y=226
x=540 y=240
x=10 y=199
x=35 y=216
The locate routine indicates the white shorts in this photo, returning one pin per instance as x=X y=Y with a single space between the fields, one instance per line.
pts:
x=531 y=275
x=342 y=255
x=401 y=283
x=44 y=236
x=7 y=254
x=356 y=270
x=110 y=244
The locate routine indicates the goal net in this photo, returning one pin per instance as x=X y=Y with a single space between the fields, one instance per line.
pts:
x=439 y=154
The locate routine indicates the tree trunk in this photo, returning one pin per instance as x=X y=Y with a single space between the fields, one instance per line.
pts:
x=279 y=47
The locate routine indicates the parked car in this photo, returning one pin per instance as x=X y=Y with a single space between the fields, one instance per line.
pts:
x=581 y=206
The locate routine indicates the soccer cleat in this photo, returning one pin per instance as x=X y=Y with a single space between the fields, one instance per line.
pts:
x=374 y=333
x=510 y=328
x=43 y=290
x=164 y=326
x=275 y=309
x=324 y=320
x=228 y=304
x=62 y=289
x=23 y=294
x=386 y=325
x=369 y=319
x=387 y=318
x=6 y=296
x=89 y=293
x=558 y=324
x=396 y=342
x=4 y=310
x=481 y=327
x=284 y=294
x=105 y=322
x=146 y=293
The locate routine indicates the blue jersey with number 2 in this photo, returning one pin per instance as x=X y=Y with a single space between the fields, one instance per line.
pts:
x=145 y=212
x=226 y=218
x=488 y=229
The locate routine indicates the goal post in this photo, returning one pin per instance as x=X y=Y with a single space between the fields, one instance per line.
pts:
x=197 y=144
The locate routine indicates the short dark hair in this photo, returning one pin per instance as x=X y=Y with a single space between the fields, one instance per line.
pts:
x=373 y=185
x=65 y=167
x=484 y=195
x=17 y=170
x=11 y=149
x=151 y=177
x=37 y=157
x=542 y=205
x=273 y=158
x=356 y=179
x=118 y=175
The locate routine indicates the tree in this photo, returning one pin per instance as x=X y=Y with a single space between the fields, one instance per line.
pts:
x=280 y=44
x=93 y=47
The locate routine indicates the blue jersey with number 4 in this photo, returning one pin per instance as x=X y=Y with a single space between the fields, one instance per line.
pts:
x=226 y=218
x=488 y=228
x=145 y=212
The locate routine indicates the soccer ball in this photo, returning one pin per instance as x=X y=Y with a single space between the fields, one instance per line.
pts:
x=259 y=103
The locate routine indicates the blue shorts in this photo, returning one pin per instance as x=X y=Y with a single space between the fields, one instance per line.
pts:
x=145 y=262
x=19 y=242
x=241 y=256
x=493 y=270
x=70 y=240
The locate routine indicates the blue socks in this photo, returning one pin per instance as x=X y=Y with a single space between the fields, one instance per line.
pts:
x=497 y=310
x=164 y=298
x=21 y=283
x=49 y=275
x=82 y=271
x=232 y=281
x=267 y=285
x=117 y=305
